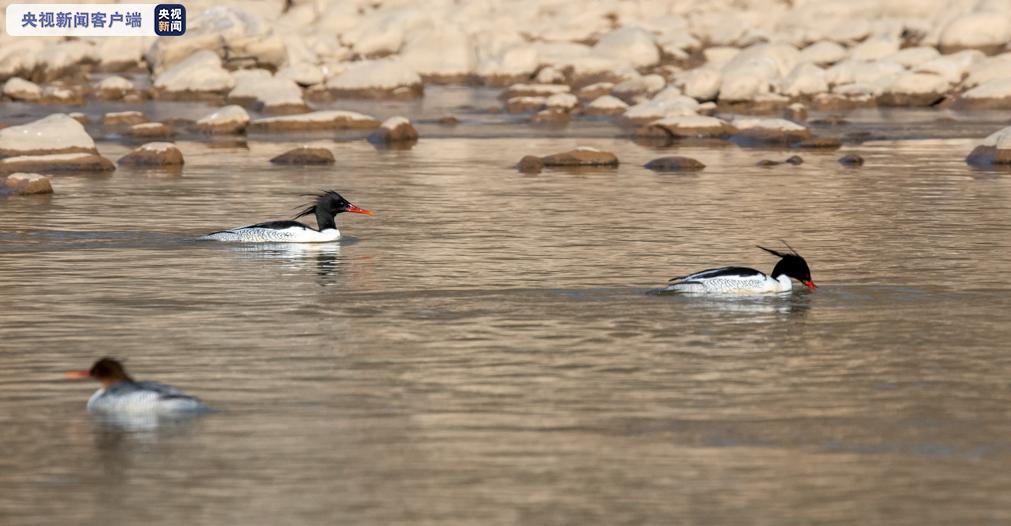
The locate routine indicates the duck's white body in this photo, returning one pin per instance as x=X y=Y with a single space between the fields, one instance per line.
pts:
x=269 y=233
x=143 y=397
x=730 y=280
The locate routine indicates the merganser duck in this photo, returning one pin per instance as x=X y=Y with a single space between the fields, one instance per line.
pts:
x=741 y=280
x=328 y=204
x=122 y=394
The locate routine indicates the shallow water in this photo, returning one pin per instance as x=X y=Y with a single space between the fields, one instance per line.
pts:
x=484 y=350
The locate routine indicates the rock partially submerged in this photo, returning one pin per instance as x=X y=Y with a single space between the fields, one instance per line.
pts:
x=992 y=94
x=605 y=105
x=995 y=149
x=57 y=133
x=267 y=93
x=394 y=130
x=759 y=131
x=57 y=162
x=227 y=120
x=127 y=118
x=582 y=156
x=153 y=154
x=674 y=163
x=305 y=155
x=28 y=184
x=151 y=130
x=851 y=159
x=314 y=121
x=686 y=126
x=113 y=88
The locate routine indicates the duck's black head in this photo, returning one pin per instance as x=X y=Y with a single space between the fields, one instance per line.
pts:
x=107 y=371
x=791 y=265
x=327 y=205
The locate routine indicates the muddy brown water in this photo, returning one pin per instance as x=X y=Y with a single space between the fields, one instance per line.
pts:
x=483 y=350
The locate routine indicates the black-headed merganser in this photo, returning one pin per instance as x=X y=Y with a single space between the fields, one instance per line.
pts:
x=122 y=394
x=328 y=204
x=742 y=280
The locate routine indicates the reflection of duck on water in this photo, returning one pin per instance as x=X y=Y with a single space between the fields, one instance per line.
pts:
x=327 y=206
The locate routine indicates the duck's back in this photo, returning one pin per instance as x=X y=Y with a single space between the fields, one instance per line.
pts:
x=141 y=397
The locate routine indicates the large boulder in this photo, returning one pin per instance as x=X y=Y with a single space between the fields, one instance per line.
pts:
x=977 y=30
x=377 y=79
x=267 y=93
x=992 y=94
x=56 y=162
x=57 y=133
x=914 y=89
x=317 y=120
x=197 y=77
x=443 y=54
x=153 y=154
x=227 y=120
x=995 y=149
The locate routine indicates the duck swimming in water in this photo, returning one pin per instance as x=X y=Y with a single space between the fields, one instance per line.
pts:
x=325 y=208
x=742 y=280
x=122 y=394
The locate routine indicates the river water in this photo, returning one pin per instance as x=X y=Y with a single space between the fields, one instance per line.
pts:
x=484 y=349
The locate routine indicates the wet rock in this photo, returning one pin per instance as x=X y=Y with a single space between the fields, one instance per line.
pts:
x=80 y=117
x=448 y=120
x=151 y=130
x=57 y=162
x=795 y=160
x=765 y=163
x=195 y=78
x=121 y=118
x=57 y=133
x=687 y=126
x=22 y=90
x=377 y=79
x=530 y=164
x=674 y=163
x=533 y=90
x=551 y=116
x=525 y=104
x=317 y=120
x=757 y=131
x=851 y=159
x=606 y=105
x=995 y=149
x=581 y=157
x=821 y=143
x=394 y=130
x=28 y=184
x=113 y=88
x=153 y=154
x=305 y=155
x=914 y=89
x=227 y=120
x=796 y=112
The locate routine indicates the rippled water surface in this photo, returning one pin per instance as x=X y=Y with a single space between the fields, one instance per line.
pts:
x=484 y=350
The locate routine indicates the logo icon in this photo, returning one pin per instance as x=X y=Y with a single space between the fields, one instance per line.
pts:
x=169 y=20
